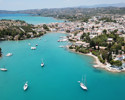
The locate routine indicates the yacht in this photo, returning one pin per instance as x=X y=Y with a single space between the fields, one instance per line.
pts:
x=33 y=48
x=82 y=85
x=42 y=64
x=9 y=54
x=25 y=87
x=3 y=69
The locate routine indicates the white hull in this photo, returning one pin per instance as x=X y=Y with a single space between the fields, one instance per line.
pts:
x=3 y=69
x=9 y=54
x=33 y=48
x=42 y=64
x=25 y=87
x=83 y=86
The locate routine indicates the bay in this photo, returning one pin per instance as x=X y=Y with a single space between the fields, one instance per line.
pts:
x=58 y=79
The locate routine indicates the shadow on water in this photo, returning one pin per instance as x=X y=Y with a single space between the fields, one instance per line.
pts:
x=97 y=70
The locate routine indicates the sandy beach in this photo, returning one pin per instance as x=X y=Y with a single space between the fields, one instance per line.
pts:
x=98 y=64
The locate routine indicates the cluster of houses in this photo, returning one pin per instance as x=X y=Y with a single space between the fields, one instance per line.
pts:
x=94 y=27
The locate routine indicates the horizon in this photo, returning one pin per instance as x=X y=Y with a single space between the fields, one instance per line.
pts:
x=37 y=4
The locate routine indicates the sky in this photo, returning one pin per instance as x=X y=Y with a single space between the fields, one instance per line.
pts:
x=39 y=4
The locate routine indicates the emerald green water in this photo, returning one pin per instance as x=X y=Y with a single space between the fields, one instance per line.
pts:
x=58 y=79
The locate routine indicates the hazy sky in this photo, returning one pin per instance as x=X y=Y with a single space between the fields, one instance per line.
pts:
x=38 y=4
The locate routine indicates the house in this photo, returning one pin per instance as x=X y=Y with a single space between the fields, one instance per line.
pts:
x=109 y=40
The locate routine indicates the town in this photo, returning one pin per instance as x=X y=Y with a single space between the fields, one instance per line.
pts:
x=102 y=37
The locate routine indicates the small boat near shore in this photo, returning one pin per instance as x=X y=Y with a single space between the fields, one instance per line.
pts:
x=61 y=46
x=33 y=48
x=3 y=69
x=25 y=87
x=82 y=85
x=9 y=54
x=62 y=40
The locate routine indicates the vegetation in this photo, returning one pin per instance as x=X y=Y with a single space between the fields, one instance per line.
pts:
x=112 y=47
x=17 y=30
x=46 y=27
x=75 y=14
x=106 y=19
x=116 y=63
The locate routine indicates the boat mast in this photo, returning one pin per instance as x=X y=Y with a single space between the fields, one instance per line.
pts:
x=82 y=78
x=85 y=80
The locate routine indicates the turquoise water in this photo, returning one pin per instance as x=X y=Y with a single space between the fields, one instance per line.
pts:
x=30 y=19
x=58 y=79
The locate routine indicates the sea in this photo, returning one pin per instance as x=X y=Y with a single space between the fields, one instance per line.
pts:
x=59 y=78
x=31 y=19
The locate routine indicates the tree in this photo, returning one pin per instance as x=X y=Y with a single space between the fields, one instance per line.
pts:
x=116 y=63
x=104 y=54
x=46 y=27
x=105 y=31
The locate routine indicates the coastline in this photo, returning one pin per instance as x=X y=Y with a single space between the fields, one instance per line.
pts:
x=98 y=64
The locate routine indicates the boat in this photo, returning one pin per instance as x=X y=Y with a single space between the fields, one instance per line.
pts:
x=3 y=69
x=36 y=44
x=61 y=46
x=33 y=48
x=9 y=54
x=42 y=64
x=82 y=85
x=25 y=87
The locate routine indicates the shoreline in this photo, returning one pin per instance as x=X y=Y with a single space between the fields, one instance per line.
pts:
x=36 y=37
x=98 y=64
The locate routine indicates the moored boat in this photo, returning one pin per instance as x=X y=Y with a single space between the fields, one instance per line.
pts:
x=25 y=87
x=3 y=69
x=82 y=85
x=33 y=48
x=9 y=54
x=42 y=64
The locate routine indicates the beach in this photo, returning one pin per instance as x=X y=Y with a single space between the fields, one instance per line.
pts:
x=100 y=65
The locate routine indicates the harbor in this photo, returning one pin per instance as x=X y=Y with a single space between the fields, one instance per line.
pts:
x=62 y=69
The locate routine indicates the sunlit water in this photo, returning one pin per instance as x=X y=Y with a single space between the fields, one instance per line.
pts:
x=58 y=79
x=29 y=18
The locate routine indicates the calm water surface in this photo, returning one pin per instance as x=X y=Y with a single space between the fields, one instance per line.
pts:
x=30 y=19
x=58 y=79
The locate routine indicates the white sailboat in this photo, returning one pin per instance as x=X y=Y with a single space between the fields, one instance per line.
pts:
x=25 y=87
x=82 y=85
x=9 y=54
x=42 y=64
x=3 y=69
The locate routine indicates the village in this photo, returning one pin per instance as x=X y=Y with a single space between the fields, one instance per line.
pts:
x=82 y=33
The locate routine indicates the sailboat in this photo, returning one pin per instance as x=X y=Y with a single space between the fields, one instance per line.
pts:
x=25 y=86
x=3 y=69
x=82 y=85
x=42 y=64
